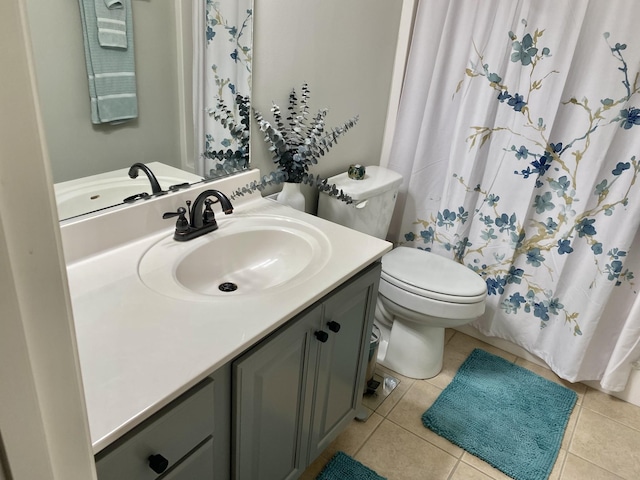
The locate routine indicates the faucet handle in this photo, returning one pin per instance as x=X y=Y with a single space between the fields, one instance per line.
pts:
x=208 y=217
x=180 y=212
x=182 y=224
x=137 y=196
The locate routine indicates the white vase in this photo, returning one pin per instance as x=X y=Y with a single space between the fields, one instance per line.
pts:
x=292 y=196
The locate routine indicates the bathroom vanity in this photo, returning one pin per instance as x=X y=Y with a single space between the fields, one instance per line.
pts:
x=269 y=413
x=184 y=382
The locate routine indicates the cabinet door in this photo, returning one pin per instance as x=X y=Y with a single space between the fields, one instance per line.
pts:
x=342 y=359
x=272 y=400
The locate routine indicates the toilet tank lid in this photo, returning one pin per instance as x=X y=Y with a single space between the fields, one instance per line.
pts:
x=377 y=180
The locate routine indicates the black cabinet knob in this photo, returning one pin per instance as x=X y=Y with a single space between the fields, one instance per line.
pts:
x=158 y=463
x=334 y=326
x=322 y=336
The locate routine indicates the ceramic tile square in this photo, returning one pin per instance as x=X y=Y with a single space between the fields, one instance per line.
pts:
x=448 y=333
x=613 y=408
x=354 y=437
x=464 y=471
x=465 y=344
x=398 y=454
x=607 y=443
x=576 y=468
x=408 y=414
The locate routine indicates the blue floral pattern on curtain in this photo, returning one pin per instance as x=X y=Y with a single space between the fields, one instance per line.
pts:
x=559 y=220
x=554 y=169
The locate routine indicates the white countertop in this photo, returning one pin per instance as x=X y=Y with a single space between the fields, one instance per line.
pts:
x=140 y=349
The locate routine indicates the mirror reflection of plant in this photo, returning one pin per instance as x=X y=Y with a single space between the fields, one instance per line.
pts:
x=229 y=160
x=297 y=142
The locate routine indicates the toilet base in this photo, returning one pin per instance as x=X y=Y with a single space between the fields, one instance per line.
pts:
x=411 y=349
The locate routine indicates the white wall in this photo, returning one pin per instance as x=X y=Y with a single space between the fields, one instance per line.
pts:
x=43 y=421
x=76 y=147
x=345 y=51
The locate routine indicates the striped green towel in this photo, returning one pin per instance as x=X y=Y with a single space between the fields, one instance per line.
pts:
x=110 y=71
x=112 y=23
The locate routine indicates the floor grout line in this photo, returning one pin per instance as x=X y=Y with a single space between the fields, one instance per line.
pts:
x=367 y=438
x=575 y=427
x=455 y=467
x=564 y=462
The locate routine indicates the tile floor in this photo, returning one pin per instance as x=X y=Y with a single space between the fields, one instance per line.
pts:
x=602 y=441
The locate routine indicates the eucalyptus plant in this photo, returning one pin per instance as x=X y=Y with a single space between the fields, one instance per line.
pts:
x=297 y=142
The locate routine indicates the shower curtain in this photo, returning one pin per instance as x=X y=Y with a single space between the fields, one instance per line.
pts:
x=222 y=50
x=518 y=138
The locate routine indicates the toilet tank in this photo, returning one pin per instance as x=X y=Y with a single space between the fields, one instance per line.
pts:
x=374 y=198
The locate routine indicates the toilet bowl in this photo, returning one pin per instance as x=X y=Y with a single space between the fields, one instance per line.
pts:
x=420 y=293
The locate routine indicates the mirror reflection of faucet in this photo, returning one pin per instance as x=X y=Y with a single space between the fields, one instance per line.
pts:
x=156 y=189
x=201 y=219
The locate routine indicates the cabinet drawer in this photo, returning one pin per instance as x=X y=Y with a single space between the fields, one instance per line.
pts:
x=173 y=432
x=197 y=466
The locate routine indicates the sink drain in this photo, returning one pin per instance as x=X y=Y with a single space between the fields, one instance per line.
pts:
x=228 y=287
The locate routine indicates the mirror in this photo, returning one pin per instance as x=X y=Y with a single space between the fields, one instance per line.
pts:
x=90 y=162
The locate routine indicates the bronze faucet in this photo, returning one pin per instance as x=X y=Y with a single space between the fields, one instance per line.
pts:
x=201 y=217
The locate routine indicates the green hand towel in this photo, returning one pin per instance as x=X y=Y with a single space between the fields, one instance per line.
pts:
x=110 y=71
x=112 y=23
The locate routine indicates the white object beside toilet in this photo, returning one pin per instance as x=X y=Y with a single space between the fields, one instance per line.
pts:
x=420 y=293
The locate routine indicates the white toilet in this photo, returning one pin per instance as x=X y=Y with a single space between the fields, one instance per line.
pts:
x=420 y=293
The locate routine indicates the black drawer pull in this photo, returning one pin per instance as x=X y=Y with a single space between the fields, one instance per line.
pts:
x=334 y=326
x=322 y=336
x=158 y=463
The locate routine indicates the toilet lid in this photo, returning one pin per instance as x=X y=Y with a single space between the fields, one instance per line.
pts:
x=431 y=275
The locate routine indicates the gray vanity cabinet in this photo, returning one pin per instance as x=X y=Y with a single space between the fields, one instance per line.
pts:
x=295 y=392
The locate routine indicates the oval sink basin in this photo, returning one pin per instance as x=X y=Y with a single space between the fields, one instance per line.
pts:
x=246 y=255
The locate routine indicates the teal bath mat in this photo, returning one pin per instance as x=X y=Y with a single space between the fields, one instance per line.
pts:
x=343 y=467
x=503 y=414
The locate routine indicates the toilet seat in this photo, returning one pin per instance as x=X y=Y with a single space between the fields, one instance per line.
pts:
x=424 y=274
x=403 y=302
